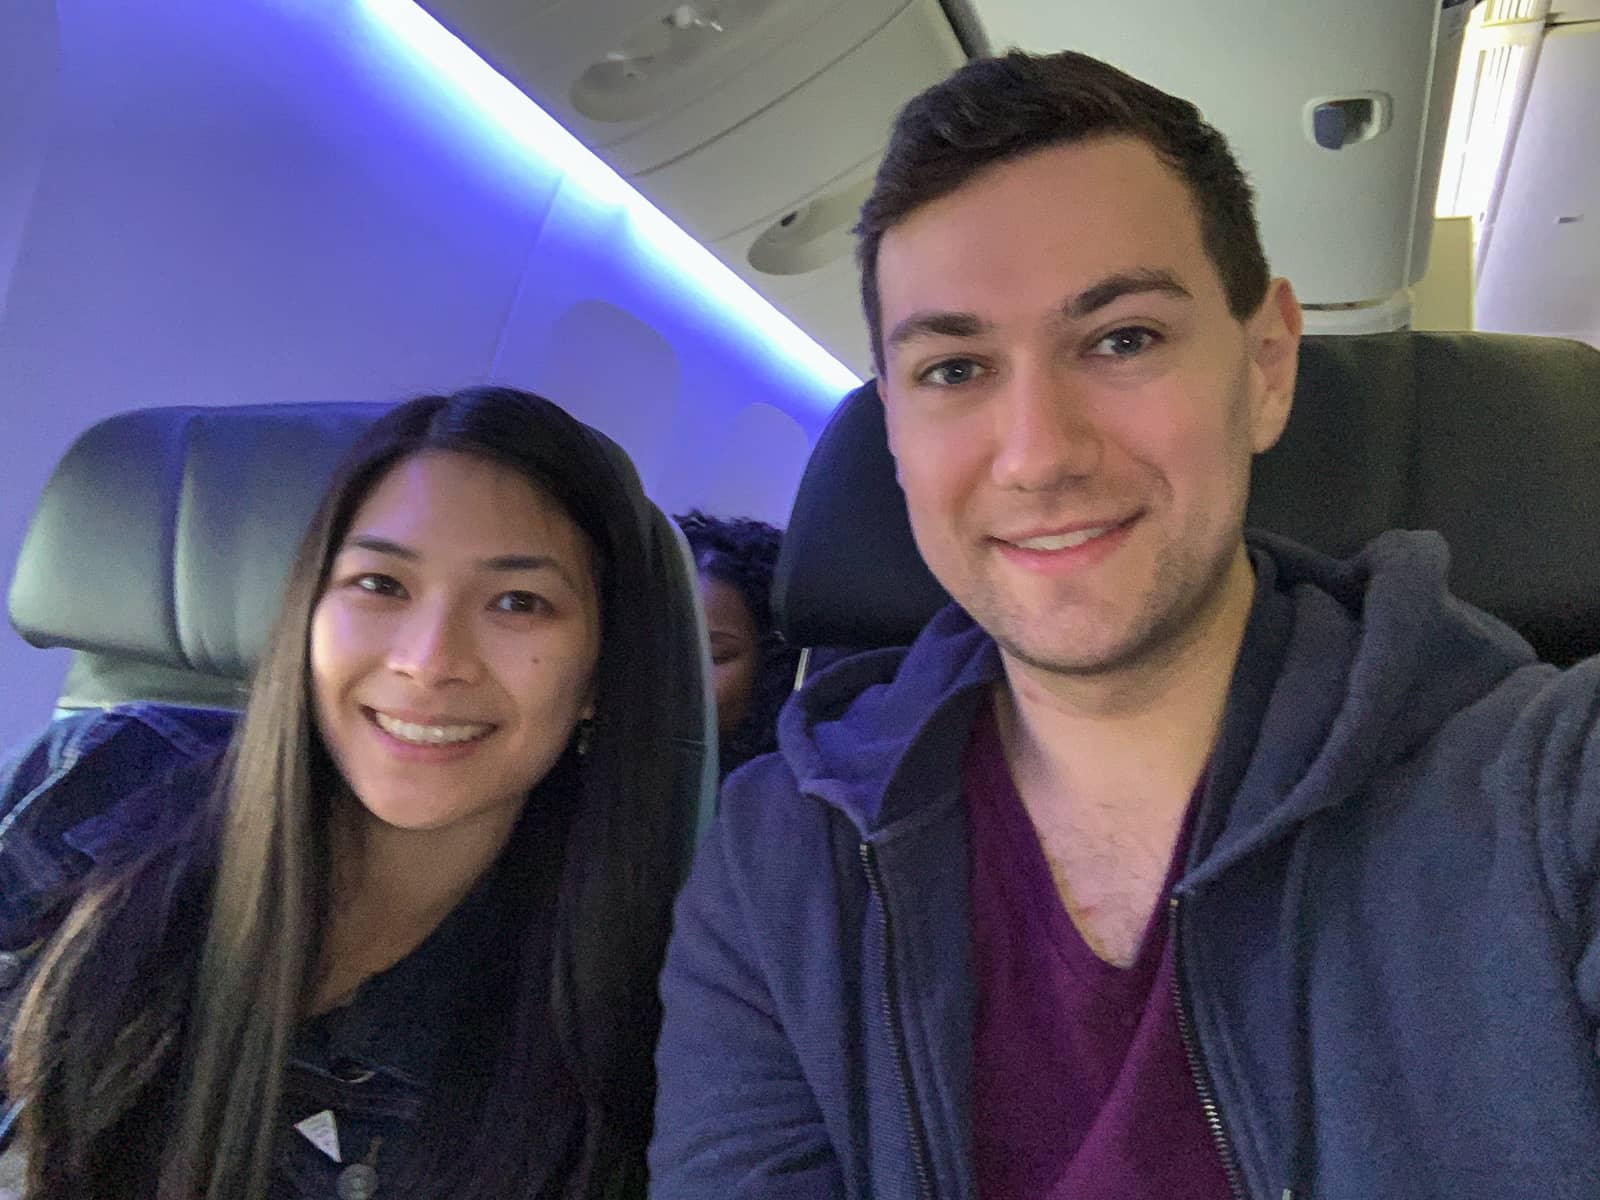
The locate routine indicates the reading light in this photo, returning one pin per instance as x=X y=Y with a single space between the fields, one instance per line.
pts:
x=441 y=54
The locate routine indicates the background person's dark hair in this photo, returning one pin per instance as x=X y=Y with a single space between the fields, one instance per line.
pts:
x=743 y=554
x=996 y=109
x=163 y=1014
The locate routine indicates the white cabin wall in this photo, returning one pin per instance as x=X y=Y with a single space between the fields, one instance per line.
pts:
x=264 y=201
x=29 y=75
x=29 y=66
x=1541 y=272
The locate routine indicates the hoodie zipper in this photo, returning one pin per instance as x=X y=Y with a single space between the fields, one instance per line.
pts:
x=914 y=1131
x=1198 y=1071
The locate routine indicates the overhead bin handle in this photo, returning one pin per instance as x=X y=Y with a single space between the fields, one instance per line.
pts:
x=1335 y=122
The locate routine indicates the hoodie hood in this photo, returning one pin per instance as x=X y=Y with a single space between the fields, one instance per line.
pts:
x=1346 y=667
x=850 y=734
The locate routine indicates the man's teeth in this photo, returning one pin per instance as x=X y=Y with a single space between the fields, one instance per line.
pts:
x=1063 y=541
x=429 y=735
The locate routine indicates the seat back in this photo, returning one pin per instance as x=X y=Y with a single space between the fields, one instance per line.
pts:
x=1493 y=440
x=160 y=545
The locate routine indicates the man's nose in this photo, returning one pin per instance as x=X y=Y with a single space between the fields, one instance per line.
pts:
x=1045 y=437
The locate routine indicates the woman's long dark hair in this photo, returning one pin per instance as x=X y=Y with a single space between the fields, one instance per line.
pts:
x=162 y=1017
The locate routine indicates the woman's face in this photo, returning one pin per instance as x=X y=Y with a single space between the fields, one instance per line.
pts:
x=735 y=651
x=453 y=648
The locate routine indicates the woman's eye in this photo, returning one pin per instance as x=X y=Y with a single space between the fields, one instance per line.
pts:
x=1126 y=343
x=378 y=584
x=953 y=372
x=521 y=602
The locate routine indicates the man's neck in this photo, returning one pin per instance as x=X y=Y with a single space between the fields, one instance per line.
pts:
x=1106 y=767
x=1142 y=732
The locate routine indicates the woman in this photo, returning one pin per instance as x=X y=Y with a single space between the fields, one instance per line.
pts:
x=752 y=666
x=404 y=940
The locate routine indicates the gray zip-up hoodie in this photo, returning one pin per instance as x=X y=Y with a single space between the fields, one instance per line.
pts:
x=1386 y=934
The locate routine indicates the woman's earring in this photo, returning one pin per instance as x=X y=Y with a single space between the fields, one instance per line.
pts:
x=585 y=731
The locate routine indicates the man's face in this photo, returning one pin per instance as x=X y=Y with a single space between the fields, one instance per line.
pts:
x=1072 y=407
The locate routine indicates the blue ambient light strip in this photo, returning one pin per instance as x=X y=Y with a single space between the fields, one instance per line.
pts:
x=514 y=113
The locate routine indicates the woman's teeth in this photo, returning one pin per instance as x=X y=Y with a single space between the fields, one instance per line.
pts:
x=429 y=735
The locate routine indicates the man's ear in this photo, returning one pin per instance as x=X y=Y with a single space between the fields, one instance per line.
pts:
x=1274 y=347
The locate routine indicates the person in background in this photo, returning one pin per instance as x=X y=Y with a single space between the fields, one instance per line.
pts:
x=753 y=668
x=395 y=930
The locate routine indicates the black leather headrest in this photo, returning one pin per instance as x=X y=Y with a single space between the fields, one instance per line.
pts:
x=1493 y=440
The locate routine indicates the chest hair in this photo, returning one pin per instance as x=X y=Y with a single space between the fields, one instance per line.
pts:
x=1109 y=875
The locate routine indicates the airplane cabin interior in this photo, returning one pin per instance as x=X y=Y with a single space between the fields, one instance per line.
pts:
x=232 y=234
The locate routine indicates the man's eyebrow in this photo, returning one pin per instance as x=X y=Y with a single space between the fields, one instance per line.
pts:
x=935 y=323
x=942 y=323
x=500 y=562
x=1124 y=283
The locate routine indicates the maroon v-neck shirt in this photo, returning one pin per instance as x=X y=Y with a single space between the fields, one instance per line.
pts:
x=1080 y=1086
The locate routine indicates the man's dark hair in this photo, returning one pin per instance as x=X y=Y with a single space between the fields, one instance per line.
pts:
x=996 y=109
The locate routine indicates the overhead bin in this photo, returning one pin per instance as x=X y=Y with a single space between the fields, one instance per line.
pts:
x=1333 y=109
x=776 y=156
x=645 y=82
x=756 y=125
x=812 y=235
x=803 y=234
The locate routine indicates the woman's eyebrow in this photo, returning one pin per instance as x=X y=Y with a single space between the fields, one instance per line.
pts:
x=498 y=563
x=530 y=562
x=378 y=545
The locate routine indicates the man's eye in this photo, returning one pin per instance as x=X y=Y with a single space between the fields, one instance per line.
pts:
x=378 y=584
x=521 y=602
x=1126 y=343
x=953 y=372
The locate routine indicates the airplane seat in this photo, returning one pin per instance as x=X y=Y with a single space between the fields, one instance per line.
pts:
x=1491 y=439
x=159 y=547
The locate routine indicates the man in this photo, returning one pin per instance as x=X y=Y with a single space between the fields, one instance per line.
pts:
x=1164 y=865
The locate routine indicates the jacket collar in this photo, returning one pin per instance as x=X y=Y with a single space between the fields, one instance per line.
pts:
x=1345 y=666
x=876 y=732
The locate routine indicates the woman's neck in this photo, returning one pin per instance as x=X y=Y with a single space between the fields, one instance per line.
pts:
x=390 y=889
